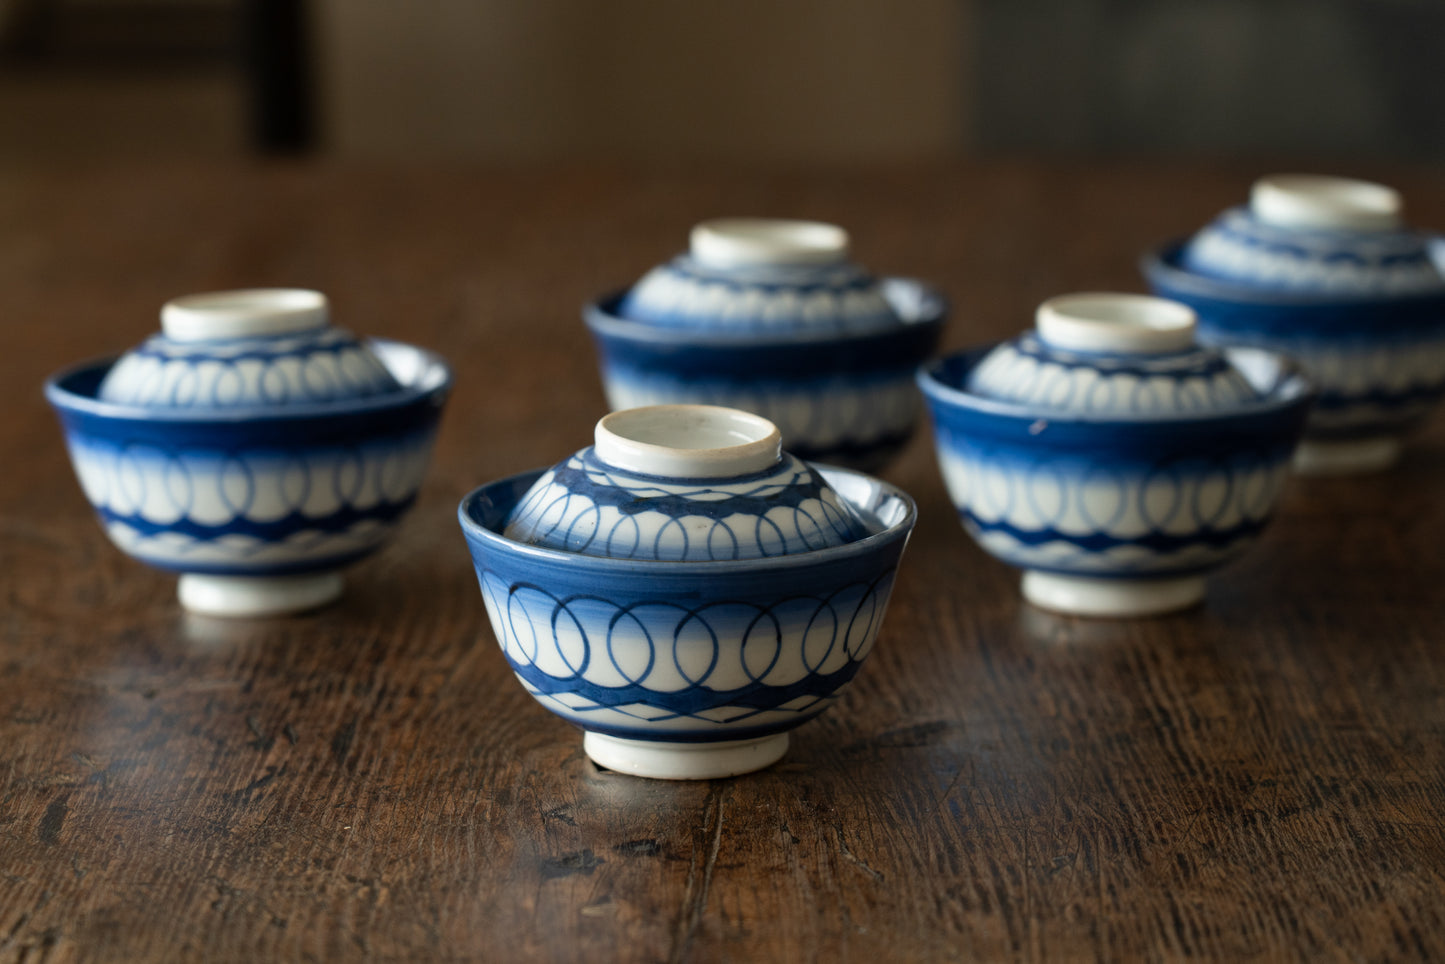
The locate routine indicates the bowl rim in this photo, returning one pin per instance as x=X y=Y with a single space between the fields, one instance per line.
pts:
x=66 y=399
x=475 y=530
x=931 y=308
x=1292 y=388
x=1161 y=266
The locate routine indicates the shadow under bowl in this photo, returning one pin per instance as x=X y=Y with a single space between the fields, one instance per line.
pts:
x=258 y=509
x=842 y=398
x=687 y=670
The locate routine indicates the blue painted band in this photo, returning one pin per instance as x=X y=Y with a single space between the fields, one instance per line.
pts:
x=395 y=415
x=1320 y=245
x=804 y=279
x=271 y=531
x=1102 y=541
x=749 y=357
x=261 y=569
x=820 y=573
x=334 y=341
x=806 y=485
x=1270 y=426
x=1227 y=310
x=1191 y=362
x=694 y=699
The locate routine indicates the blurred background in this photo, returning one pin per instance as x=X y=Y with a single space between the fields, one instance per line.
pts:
x=792 y=82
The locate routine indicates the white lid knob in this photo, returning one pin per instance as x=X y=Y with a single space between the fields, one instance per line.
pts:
x=688 y=441
x=1108 y=322
x=245 y=313
x=736 y=242
x=1317 y=201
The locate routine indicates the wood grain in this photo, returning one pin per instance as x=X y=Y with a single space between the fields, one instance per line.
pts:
x=1260 y=779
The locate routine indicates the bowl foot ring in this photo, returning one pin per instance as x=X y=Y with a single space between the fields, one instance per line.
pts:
x=257 y=595
x=1084 y=596
x=684 y=761
x=1346 y=458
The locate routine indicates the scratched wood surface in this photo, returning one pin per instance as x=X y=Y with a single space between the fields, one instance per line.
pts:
x=1261 y=778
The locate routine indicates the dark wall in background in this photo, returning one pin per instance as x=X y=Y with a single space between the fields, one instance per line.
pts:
x=754 y=81
x=1347 y=78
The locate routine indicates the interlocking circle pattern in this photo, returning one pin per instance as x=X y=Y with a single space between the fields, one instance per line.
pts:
x=618 y=663
x=587 y=506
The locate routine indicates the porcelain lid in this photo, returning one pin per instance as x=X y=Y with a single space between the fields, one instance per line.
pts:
x=763 y=275
x=263 y=348
x=684 y=483
x=1310 y=233
x=1111 y=355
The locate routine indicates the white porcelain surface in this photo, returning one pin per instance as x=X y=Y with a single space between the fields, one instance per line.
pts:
x=1115 y=323
x=254 y=596
x=685 y=761
x=748 y=242
x=1318 y=202
x=1120 y=598
x=688 y=441
x=244 y=313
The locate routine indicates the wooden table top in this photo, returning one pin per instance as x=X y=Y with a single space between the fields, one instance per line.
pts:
x=1262 y=777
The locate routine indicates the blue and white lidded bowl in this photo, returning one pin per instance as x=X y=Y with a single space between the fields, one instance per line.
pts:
x=1325 y=270
x=1111 y=457
x=251 y=446
x=771 y=316
x=682 y=590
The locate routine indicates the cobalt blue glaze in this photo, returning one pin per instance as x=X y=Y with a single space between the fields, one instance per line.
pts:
x=838 y=397
x=248 y=492
x=686 y=651
x=1377 y=361
x=1231 y=309
x=1114 y=496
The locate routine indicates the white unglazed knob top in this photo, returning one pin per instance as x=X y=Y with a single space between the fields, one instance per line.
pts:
x=1108 y=322
x=1318 y=201
x=245 y=313
x=688 y=441
x=737 y=242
